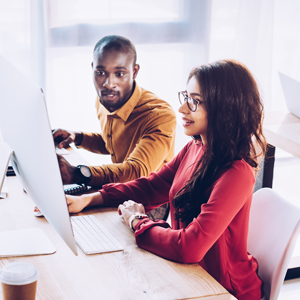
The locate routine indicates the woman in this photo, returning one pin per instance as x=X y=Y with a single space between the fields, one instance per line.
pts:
x=209 y=184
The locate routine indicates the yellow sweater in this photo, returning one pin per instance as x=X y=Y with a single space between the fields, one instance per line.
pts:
x=139 y=136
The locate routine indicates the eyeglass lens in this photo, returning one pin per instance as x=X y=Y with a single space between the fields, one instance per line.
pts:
x=191 y=103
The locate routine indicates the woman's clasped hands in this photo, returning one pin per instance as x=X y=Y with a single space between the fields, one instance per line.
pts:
x=128 y=208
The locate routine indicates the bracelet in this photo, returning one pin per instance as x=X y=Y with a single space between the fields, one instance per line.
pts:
x=136 y=216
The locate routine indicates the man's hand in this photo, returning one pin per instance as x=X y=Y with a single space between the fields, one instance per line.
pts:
x=128 y=208
x=68 y=172
x=63 y=138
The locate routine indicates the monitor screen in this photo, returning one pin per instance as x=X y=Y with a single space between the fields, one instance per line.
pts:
x=25 y=127
x=291 y=91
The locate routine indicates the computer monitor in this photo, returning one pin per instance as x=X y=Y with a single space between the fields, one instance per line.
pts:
x=25 y=127
x=291 y=91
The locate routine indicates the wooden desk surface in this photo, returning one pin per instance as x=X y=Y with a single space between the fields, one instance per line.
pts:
x=283 y=130
x=131 y=274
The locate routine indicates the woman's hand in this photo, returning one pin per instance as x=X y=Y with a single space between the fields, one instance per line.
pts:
x=78 y=203
x=128 y=208
x=75 y=203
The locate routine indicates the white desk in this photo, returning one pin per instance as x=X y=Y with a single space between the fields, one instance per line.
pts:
x=282 y=130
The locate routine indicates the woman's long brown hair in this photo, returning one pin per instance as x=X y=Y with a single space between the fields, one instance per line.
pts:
x=234 y=130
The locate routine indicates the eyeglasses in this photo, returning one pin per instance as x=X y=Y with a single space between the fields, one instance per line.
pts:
x=191 y=102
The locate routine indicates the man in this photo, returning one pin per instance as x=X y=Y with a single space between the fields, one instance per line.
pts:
x=137 y=128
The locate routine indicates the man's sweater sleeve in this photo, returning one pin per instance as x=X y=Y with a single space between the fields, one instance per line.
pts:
x=93 y=142
x=148 y=155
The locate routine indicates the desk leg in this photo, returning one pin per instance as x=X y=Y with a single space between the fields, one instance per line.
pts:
x=269 y=161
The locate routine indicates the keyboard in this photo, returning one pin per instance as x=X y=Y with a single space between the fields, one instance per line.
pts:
x=92 y=237
x=61 y=151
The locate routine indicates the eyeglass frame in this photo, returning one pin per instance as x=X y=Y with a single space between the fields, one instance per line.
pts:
x=187 y=98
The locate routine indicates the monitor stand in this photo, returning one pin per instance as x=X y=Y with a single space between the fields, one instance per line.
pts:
x=22 y=242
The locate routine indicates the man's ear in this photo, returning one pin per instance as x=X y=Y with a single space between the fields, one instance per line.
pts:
x=92 y=64
x=136 y=69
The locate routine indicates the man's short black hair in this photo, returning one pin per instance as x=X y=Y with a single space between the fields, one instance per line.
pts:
x=116 y=42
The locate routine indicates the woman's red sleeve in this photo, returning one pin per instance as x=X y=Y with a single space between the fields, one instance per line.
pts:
x=151 y=191
x=189 y=245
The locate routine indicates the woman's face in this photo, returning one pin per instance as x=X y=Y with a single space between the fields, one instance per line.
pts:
x=194 y=123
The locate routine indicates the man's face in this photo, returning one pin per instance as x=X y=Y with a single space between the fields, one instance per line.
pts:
x=114 y=74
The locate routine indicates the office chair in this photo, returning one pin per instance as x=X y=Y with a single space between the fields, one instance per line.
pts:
x=273 y=231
